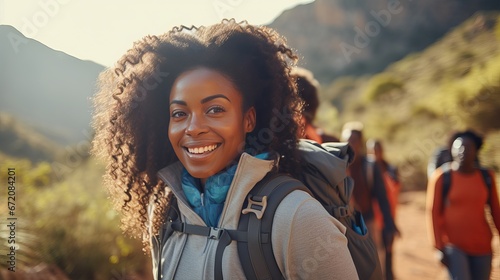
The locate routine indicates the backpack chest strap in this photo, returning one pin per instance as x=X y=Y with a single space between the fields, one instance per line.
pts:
x=215 y=233
x=225 y=237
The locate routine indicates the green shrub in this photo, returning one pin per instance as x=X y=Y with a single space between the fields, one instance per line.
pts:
x=474 y=100
x=71 y=224
x=422 y=110
x=381 y=86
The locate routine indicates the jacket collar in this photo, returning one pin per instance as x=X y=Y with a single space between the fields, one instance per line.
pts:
x=250 y=170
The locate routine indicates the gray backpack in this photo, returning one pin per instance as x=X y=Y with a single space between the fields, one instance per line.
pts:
x=324 y=177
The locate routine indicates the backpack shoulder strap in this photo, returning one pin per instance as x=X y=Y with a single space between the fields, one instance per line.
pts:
x=488 y=181
x=165 y=232
x=256 y=256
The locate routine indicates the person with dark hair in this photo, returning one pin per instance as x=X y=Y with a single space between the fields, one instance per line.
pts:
x=369 y=186
x=188 y=122
x=375 y=153
x=457 y=194
x=308 y=87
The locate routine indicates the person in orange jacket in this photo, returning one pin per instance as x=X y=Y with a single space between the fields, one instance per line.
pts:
x=457 y=196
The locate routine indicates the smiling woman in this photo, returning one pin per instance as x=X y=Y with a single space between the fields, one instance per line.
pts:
x=189 y=122
x=208 y=124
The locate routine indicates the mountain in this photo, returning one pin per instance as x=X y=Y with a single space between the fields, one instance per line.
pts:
x=50 y=90
x=356 y=37
x=45 y=88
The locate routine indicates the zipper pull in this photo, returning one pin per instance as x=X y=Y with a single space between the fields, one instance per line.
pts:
x=202 y=200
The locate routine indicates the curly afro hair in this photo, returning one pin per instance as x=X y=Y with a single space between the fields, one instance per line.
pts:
x=131 y=115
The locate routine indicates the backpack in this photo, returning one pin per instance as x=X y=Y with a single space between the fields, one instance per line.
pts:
x=447 y=181
x=324 y=177
x=440 y=157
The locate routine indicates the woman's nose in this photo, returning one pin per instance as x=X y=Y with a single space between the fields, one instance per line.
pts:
x=197 y=125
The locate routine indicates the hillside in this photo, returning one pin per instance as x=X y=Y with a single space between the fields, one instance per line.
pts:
x=45 y=88
x=418 y=101
x=18 y=140
x=354 y=37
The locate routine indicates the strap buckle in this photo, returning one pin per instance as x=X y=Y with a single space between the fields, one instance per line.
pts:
x=215 y=233
x=255 y=206
x=342 y=211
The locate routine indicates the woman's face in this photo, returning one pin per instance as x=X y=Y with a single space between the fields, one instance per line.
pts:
x=464 y=151
x=207 y=126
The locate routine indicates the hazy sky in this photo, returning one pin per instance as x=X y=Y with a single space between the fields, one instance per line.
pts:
x=102 y=30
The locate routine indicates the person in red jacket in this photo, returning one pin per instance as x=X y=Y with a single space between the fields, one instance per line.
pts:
x=460 y=230
x=369 y=187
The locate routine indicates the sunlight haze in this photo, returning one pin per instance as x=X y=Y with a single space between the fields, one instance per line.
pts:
x=102 y=31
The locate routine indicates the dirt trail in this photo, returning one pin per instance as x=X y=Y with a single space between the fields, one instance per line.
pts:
x=413 y=253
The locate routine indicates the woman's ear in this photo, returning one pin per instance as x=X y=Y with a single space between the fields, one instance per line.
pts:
x=250 y=119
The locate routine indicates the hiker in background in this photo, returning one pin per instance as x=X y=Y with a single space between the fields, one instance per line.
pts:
x=368 y=185
x=375 y=153
x=457 y=194
x=201 y=139
x=441 y=155
x=308 y=87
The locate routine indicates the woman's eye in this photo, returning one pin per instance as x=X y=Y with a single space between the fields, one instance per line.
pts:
x=177 y=114
x=215 y=110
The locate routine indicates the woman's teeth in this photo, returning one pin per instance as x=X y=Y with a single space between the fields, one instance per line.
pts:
x=201 y=150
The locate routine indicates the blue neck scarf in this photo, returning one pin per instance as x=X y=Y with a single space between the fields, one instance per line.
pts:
x=209 y=205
